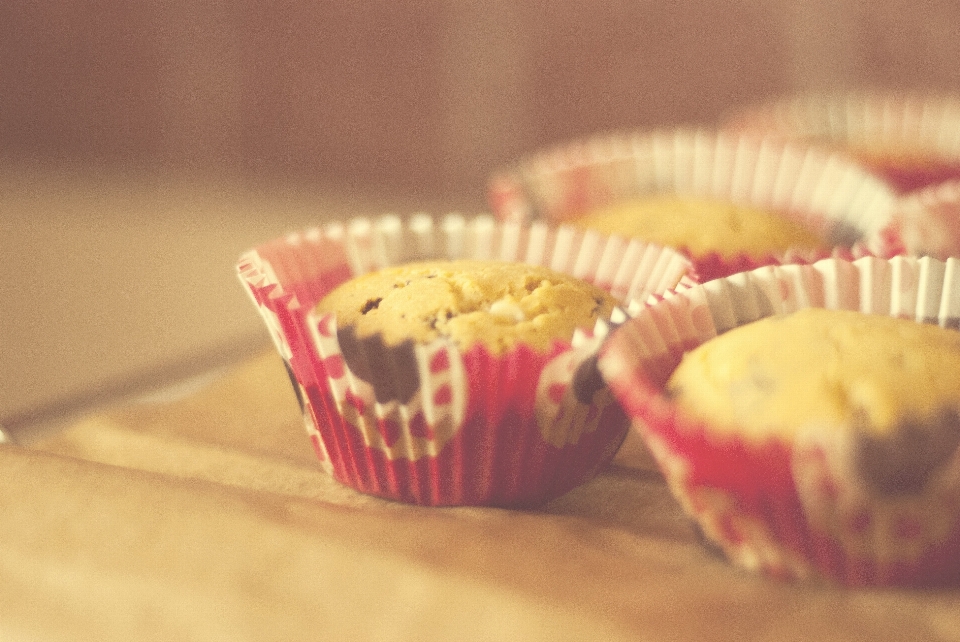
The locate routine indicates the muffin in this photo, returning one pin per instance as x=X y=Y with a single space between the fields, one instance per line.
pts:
x=496 y=303
x=777 y=376
x=927 y=221
x=830 y=203
x=704 y=226
x=911 y=140
x=453 y=362
x=806 y=416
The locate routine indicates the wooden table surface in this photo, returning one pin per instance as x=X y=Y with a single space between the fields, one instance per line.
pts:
x=202 y=514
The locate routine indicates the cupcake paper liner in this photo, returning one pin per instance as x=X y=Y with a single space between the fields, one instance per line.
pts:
x=912 y=140
x=822 y=189
x=928 y=221
x=429 y=423
x=793 y=508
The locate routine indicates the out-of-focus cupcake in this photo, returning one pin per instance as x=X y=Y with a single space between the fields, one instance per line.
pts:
x=428 y=378
x=807 y=417
x=927 y=221
x=911 y=140
x=730 y=201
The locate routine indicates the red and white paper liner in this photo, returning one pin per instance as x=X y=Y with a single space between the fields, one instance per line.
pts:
x=824 y=190
x=910 y=139
x=795 y=508
x=928 y=221
x=429 y=423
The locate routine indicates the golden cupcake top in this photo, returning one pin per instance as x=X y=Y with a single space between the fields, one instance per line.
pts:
x=497 y=303
x=833 y=369
x=702 y=226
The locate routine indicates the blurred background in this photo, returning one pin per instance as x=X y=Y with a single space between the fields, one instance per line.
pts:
x=144 y=145
x=421 y=97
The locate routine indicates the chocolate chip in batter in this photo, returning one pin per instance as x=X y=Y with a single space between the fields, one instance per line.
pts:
x=587 y=380
x=371 y=304
x=902 y=462
x=390 y=369
x=844 y=234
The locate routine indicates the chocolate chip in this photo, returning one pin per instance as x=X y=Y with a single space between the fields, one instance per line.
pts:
x=763 y=382
x=371 y=304
x=902 y=462
x=587 y=380
x=598 y=305
x=390 y=369
x=844 y=234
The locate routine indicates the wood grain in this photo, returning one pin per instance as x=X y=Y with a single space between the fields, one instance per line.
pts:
x=207 y=516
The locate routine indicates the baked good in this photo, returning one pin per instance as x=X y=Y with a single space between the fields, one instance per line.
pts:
x=496 y=303
x=431 y=374
x=811 y=370
x=928 y=221
x=804 y=417
x=702 y=226
x=806 y=203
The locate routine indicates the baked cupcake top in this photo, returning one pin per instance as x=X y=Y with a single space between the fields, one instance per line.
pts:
x=497 y=303
x=702 y=226
x=835 y=369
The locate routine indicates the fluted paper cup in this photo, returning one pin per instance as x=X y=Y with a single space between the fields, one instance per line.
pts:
x=928 y=221
x=910 y=139
x=429 y=423
x=796 y=507
x=846 y=205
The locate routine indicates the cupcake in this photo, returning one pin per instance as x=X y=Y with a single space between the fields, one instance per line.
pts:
x=453 y=362
x=911 y=140
x=704 y=226
x=806 y=416
x=495 y=303
x=927 y=221
x=731 y=202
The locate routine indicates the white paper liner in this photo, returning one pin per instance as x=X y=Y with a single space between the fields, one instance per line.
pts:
x=864 y=120
x=909 y=139
x=928 y=221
